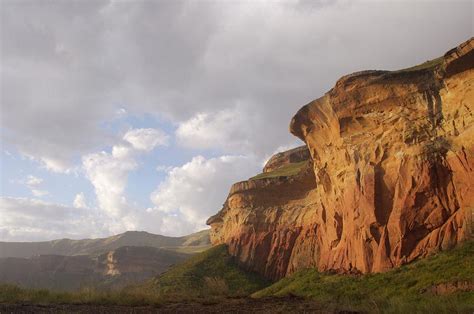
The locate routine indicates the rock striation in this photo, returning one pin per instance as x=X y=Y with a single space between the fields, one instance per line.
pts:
x=389 y=177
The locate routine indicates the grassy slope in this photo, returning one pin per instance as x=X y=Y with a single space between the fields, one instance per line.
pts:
x=285 y=171
x=212 y=272
x=400 y=290
x=423 y=66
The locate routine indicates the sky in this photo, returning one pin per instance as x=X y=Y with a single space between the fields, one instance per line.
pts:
x=140 y=115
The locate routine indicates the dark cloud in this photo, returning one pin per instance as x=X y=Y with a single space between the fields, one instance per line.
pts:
x=72 y=62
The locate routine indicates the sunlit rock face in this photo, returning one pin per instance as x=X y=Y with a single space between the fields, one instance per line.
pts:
x=389 y=178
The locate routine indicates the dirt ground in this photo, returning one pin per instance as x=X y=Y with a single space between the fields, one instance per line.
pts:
x=269 y=305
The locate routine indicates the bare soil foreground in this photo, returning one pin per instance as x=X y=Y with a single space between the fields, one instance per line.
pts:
x=242 y=305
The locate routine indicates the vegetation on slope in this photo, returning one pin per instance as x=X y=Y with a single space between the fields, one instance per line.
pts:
x=212 y=272
x=13 y=294
x=430 y=64
x=416 y=287
x=285 y=171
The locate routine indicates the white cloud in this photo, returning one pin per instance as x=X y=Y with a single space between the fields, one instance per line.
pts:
x=238 y=131
x=193 y=192
x=32 y=181
x=33 y=184
x=80 y=201
x=30 y=219
x=146 y=139
x=25 y=219
x=225 y=129
x=39 y=193
x=108 y=172
x=120 y=113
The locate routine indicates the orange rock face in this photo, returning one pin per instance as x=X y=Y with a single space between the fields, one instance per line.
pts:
x=391 y=176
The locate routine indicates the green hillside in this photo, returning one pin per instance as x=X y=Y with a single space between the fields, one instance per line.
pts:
x=440 y=283
x=212 y=272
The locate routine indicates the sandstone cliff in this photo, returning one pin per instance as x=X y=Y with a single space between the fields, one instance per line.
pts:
x=389 y=180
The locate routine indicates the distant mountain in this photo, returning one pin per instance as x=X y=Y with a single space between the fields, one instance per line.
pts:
x=112 y=262
x=192 y=243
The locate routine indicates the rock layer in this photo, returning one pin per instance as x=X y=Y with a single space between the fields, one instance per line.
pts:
x=390 y=178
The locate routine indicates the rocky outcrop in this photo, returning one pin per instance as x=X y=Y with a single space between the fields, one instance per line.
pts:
x=141 y=260
x=279 y=160
x=390 y=178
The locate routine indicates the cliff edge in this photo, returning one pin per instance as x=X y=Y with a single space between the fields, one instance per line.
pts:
x=388 y=176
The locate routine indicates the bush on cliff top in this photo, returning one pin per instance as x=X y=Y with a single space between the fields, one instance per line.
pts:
x=410 y=287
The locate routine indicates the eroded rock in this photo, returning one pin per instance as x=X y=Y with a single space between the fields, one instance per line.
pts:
x=390 y=178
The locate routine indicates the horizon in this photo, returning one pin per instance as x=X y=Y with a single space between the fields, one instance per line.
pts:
x=122 y=233
x=121 y=116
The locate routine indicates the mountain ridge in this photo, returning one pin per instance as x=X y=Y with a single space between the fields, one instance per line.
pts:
x=113 y=262
x=69 y=247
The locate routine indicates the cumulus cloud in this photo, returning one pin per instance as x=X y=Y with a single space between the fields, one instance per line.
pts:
x=225 y=129
x=193 y=192
x=108 y=172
